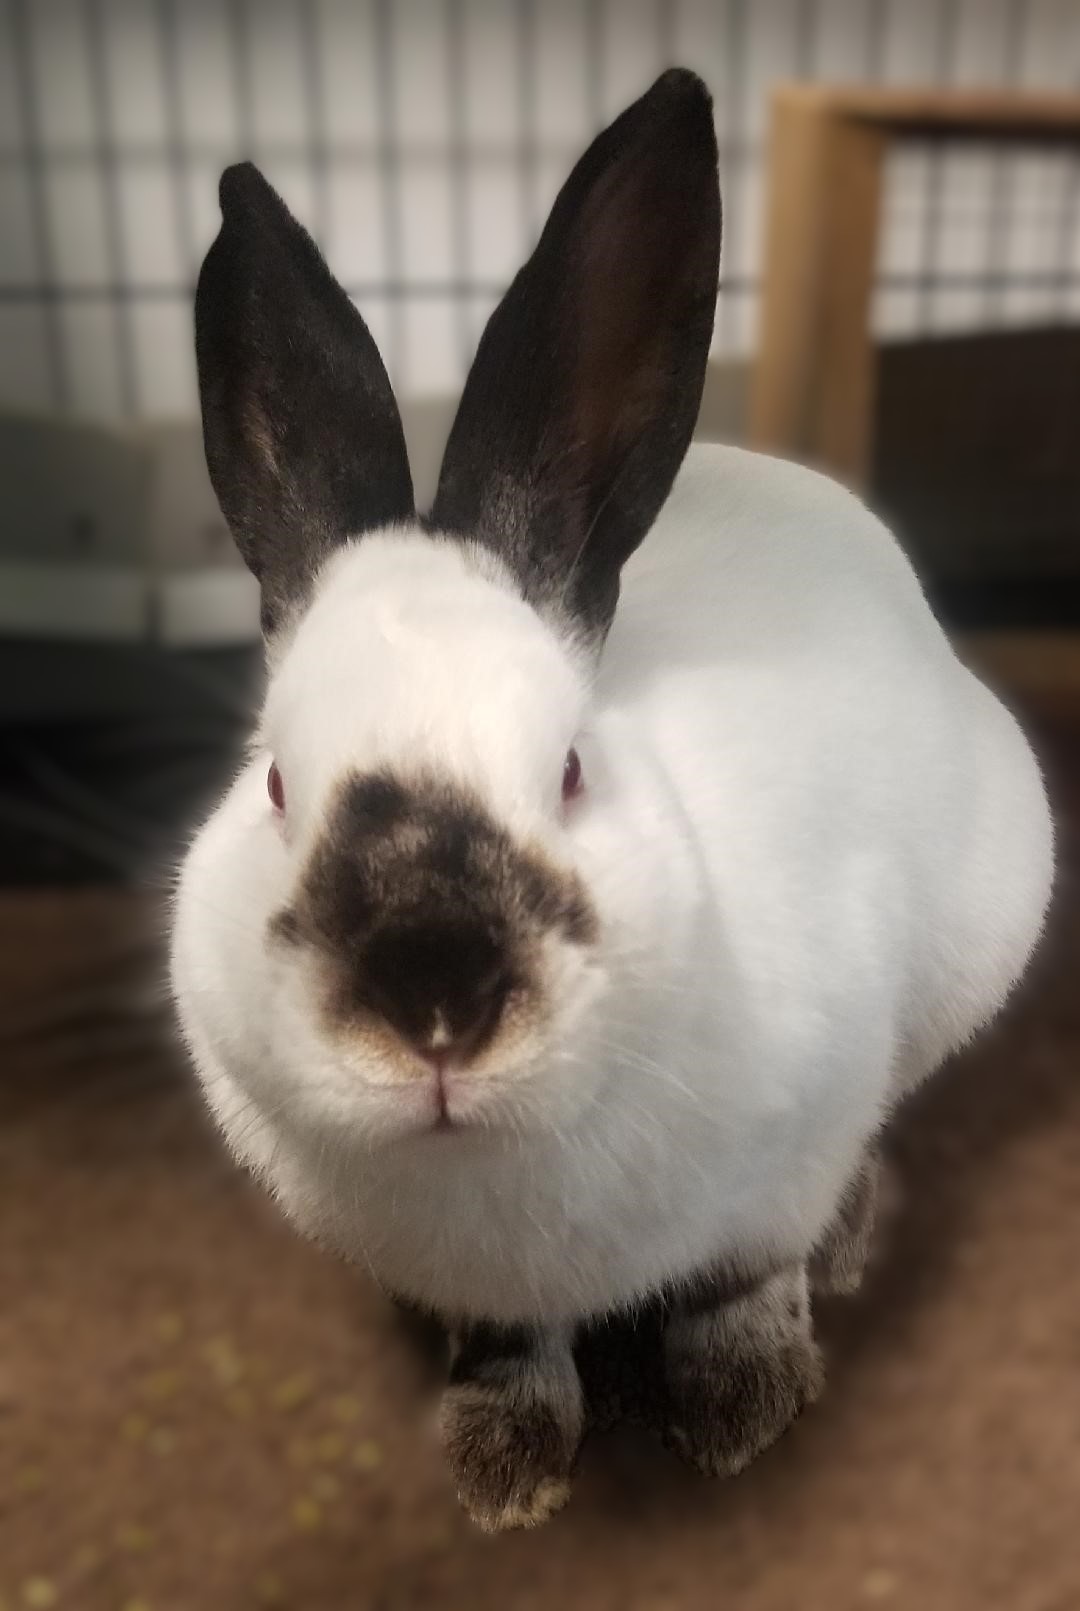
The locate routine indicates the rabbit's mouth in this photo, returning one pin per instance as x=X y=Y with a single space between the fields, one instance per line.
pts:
x=463 y=1105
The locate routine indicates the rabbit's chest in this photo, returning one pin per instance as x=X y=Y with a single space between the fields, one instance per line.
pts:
x=565 y=1238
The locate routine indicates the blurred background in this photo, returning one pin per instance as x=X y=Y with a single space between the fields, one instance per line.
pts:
x=195 y=1411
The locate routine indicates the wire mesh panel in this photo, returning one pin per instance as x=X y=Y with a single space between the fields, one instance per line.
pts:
x=422 y=142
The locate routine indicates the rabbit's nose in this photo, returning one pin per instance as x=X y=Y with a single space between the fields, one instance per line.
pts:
x=450 y=1048
x=442 y=987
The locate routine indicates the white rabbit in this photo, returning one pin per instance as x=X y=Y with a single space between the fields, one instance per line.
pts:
x=548 y=958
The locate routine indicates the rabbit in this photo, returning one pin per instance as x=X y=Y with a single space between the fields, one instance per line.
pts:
x=586 y=905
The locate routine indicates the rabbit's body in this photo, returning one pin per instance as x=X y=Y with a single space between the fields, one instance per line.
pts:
x=831 y=751
x=822 y=855
x=548 y=956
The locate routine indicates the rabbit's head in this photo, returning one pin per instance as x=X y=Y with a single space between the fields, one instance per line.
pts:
x=420 y=842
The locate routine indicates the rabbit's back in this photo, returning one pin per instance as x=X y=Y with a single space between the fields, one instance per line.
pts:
x=867 y=810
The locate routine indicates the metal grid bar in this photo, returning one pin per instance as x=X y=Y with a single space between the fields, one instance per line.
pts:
x=422 y=290
x=108 y=166
x=178 y=150
x=594 y=61
x=1001 y=210
x=342 y=154
x=389 y=167
x=732 y=149
x=1068 y=219
x=528 y=154
x=665 y=22
x=877 y=28
x=807 y=37
x=240 y=73
x=308 y=23
x=947 y=32
x=41 y=229
x=459 y=177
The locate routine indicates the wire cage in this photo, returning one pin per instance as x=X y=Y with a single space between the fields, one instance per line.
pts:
x=421 y=141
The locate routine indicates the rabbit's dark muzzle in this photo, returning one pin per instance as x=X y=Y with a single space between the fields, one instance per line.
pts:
x=429 y=912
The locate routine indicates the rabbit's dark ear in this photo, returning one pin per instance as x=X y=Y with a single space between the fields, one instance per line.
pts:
x=303 y=436
x=587 y=381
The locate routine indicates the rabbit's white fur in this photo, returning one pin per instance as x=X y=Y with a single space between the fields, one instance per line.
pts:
x=819 y=849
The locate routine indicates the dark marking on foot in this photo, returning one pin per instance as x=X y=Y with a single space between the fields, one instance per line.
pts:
x=739 y=1375
x=511 y=1422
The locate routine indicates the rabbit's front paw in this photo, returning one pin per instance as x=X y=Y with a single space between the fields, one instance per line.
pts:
x=511 y=1462
x=511 y=1424
x=738 y=1375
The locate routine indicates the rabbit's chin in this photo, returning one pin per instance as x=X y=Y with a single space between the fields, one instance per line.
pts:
x=288 y=1129
x=375 y=1113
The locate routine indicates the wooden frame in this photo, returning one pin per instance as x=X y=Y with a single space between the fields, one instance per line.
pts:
x=812 y=394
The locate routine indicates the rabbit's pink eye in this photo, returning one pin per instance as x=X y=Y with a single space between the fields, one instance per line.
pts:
x=572 y=781
x=275 y=788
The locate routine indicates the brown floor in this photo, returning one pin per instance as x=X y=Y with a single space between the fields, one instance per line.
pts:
x=198 y=1413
